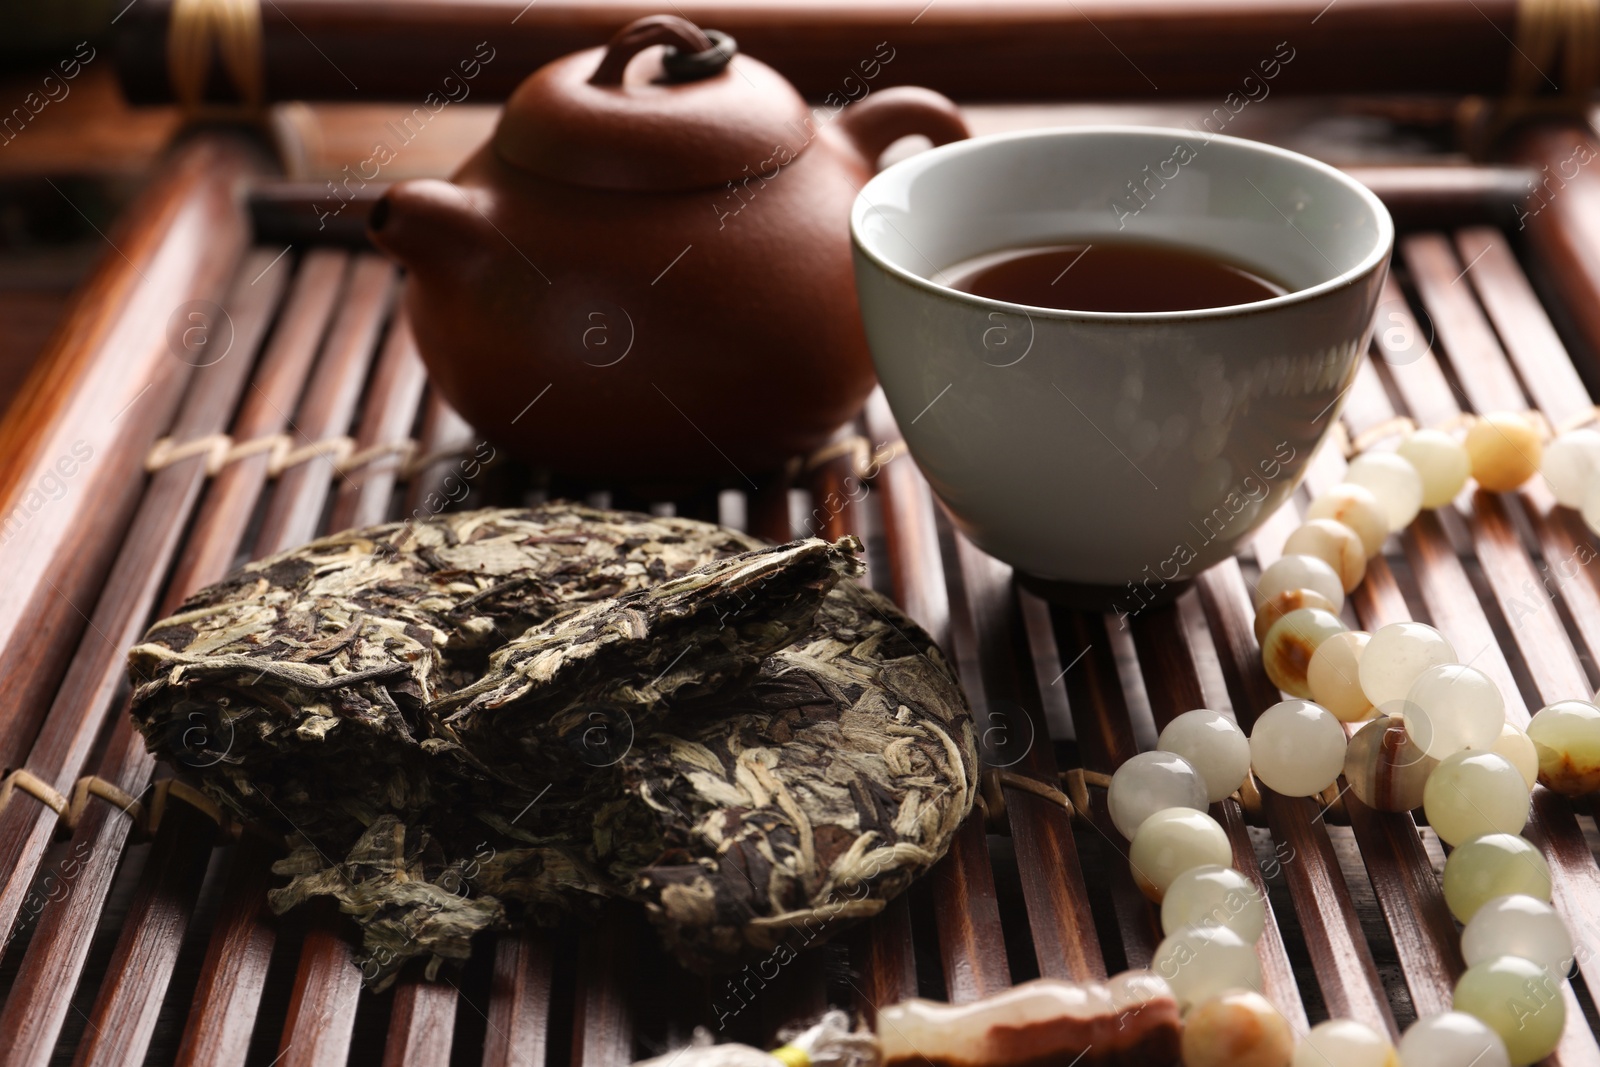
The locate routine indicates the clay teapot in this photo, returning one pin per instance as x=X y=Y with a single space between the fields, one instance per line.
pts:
x=645 y=274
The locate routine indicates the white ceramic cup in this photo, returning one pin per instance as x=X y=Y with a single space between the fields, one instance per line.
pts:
x=1116 y=449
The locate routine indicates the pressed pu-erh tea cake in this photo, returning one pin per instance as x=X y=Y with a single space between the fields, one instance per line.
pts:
x=509 y=715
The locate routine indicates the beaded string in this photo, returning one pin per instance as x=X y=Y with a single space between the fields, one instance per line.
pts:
x=1429 y=732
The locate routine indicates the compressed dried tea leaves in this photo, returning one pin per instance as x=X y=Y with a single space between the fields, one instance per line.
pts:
x=573 y=691
x=309 y=670
x=807 y=799
x=515 y=714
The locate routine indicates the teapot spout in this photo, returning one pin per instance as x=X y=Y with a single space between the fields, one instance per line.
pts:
x=429 y=225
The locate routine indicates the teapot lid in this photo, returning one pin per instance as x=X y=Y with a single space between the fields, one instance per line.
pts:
x=696 y=115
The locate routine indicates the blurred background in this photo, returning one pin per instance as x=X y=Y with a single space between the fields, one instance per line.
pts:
x=65 y=176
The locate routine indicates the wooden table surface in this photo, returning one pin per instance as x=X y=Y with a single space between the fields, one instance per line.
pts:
x=91 y=152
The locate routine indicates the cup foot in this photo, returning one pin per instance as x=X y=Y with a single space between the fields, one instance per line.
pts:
x=1086 y=596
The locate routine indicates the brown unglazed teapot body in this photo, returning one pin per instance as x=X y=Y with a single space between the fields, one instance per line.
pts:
x=645 y=275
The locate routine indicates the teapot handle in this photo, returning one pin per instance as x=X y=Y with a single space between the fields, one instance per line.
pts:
x=890 y=114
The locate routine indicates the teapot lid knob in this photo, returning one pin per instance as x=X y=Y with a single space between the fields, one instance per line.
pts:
x=692 y=53
x=691 y=66
x=623 y=117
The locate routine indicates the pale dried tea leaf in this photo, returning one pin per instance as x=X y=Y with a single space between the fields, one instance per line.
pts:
x=409 y=899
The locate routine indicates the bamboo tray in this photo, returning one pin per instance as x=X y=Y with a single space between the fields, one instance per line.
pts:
x=138 y=926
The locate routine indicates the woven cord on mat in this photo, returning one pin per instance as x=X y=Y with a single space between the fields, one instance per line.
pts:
x=69 y=809
x=1553 y=70
x=220 y=450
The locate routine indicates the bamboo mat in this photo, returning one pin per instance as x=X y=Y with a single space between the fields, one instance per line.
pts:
x=129 y=946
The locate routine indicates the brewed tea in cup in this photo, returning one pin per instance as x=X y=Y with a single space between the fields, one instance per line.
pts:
x=1113 y=350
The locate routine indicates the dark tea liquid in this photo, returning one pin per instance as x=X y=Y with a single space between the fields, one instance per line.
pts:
x=1112 y=275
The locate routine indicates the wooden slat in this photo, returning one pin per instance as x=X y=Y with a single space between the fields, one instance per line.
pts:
x=837 y=493
x=769 y=509
x=390 y=411
x=908 y=524
x=331 y=398
x=882 y=953
x=519 y=1003
x=326 y=985
x=986 y=641
x=443 y=433
x=223 y=1014
x=1524 y=327
x=105 y=387
x=1099 y=713
x=602 y=1028
x=421 y=1024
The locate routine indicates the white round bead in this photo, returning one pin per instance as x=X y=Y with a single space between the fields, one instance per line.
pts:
x=1236 y=1028
x=1494 y=865
x=1566 y=735
x=1505 y=450
x=1172 y=841
x=1518 y=925
x=1517 y=999
x=1268 y=612
x=1452 y=1039
x=1297 y=748
x=1300 y=572
x=1290 y=644
x=1333 y=543
x=1344 y=1043
x=1569 y=465
x=1202 y=961
x=1475 y=793
x=1213 y=743
x=1357 y=508
x=1516 y=746
x=1335 y=676
x=1396 y=655
x=1452 y=707
x=1441 y=461
x=1147 y=783
x=1393 y=480
x=1214 y=896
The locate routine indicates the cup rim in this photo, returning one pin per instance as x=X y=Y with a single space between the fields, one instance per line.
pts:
x=1374 y=260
